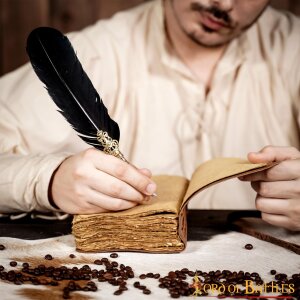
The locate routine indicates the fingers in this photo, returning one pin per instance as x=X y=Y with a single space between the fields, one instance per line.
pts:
x=285 y=170
x=125 y=172
x=108 y=203
x=271 y=154
x=280 y=212
x=272 y=205
x=113 y=187
x=91 y=209
x=278 y=189
x=278 y=220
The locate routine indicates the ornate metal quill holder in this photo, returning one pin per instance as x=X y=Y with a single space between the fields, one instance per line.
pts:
x=110 y=146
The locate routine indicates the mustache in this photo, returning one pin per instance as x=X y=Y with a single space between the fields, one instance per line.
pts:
x=214 y=10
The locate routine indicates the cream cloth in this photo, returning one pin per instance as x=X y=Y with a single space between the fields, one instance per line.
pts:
x=224 y=251
x=168 y=124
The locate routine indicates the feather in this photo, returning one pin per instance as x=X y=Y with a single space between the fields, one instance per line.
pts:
x=57 y=66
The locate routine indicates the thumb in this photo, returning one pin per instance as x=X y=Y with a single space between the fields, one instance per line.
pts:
x=273 y=154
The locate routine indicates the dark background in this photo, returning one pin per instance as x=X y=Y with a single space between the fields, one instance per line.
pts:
x=19 y=17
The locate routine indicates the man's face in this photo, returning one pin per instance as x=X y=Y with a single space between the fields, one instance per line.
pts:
x=213 y=23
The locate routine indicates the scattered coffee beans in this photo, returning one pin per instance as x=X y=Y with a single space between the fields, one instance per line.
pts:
x=178 y=283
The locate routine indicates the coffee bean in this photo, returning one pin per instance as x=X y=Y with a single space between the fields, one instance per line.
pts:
x=273 y=272
x=143 y=276
x=114 y=264
x=72 y=255
x=98 y=262
x=108 y=276
x=114 y=255
x=93 y=288
x=13 y=263
x=130 y=274
x=118 y=292
x=136 y=284
x=2 y=247
x=254 y=274
x=141 y=287
x=249 y=246
x=146 y=292
x=48 y=257
x=172 y=274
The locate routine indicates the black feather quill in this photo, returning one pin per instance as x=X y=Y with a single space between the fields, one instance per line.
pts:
x=57 y=66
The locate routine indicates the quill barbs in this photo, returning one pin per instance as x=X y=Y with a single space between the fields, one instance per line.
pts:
x=58 y=67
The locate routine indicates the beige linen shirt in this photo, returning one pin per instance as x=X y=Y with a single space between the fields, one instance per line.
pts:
x=168 y=123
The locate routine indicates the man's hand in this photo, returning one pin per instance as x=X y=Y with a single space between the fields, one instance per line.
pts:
x=94 y=182
x=278 y=188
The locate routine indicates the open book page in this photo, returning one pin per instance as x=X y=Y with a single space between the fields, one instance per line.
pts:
x=219 y=169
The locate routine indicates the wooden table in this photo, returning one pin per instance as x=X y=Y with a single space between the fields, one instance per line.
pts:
x=202 y=225
x=212 y=245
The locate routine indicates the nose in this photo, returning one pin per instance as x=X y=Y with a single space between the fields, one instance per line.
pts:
x=225 y=5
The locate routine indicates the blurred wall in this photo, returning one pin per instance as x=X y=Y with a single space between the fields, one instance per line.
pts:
x=19 y=17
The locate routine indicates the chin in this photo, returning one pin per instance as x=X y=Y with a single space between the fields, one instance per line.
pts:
x=209 y=39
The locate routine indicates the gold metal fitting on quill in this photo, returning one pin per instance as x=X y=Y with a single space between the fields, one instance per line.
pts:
x=110 y=146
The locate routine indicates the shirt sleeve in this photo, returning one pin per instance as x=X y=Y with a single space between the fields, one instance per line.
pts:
x=34 y=138
x=24 y=178
x=24 y=181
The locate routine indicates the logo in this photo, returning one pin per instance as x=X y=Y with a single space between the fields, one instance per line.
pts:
x=248 y=289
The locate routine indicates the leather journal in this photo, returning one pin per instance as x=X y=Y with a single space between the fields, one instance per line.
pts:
x=161 y=225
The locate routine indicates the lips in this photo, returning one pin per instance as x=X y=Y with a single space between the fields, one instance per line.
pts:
x=211 y=23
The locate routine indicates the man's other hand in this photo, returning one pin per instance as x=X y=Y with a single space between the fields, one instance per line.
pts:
x=278 y=188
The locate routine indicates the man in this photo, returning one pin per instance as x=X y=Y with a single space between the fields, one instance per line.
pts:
x=186 y=80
